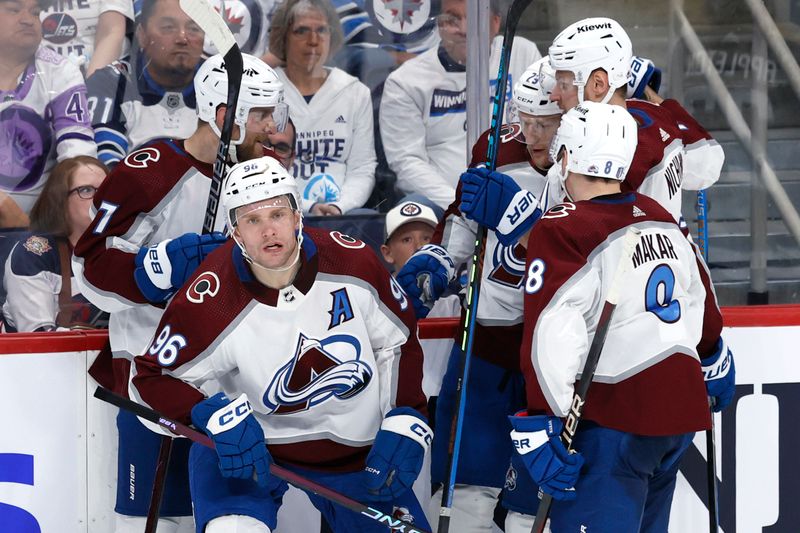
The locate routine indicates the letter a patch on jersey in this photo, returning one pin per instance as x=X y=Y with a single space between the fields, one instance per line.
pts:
x=341 y=310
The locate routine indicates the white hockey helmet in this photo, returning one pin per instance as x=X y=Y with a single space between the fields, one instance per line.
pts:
x=532 y=91
x=590 y=44
x=254 y=181
x=260 y=87
x=598 y=139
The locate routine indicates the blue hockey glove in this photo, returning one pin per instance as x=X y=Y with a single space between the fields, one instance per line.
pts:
x=720 y=375
x=643 y=73
x=163 y=268
x=536 y=439
x=425 y=277
x=496 y=201
x=395 y=460
x=237 y=435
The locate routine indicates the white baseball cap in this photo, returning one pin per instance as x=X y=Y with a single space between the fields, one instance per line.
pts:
x=406 y=212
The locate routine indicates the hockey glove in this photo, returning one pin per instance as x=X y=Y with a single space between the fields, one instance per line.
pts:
x=395 y=460
x=720 y=375
x=163 y=268
x=643 y=73
x=536 y=439
x=237 y=435
x=425 y=277
x=496 y=201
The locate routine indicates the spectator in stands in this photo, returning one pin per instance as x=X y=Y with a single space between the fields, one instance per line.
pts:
x=152 y=94
x=332 y=110
x=90 y=33
x=423 y=110
x=282 y=144
x=38 y=275
x=44 y=114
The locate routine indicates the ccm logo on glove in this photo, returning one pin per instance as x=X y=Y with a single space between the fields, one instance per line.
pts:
x=231 y=415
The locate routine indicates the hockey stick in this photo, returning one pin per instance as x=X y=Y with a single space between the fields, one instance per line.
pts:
x=579 y=398
x=275 y=470
x=476 y=269
x=711 y=451
x=218 y=32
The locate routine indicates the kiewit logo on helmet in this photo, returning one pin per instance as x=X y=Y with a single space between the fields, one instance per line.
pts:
x=592 y=27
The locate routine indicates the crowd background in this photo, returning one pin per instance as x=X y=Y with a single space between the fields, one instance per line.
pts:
x=99 y=78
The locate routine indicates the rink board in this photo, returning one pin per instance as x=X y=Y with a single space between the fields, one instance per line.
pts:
x=58 y=444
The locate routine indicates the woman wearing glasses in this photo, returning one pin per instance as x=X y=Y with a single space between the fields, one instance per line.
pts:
x=38 y=276
x=335 y=149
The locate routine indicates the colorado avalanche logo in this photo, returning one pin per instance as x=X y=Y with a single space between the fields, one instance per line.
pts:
x=206 y=283
x=322 y=188
x=25 y=142
x=509 y=265
x=511 y=478
x=320 y=370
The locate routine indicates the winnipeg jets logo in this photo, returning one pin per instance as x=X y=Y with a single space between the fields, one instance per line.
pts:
x=406 y=15
x=320 y=370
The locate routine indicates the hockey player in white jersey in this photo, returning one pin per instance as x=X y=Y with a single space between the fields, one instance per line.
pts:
x=314 y=347
x=571 y=255
x=143 y=244
x=423 y=108
x=592 y=59
x=495 y=382
x=44 y=117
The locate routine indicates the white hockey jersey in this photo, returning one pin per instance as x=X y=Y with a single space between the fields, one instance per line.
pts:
x=335 y=153
x=321 y=361
x=45 y=119
x=423 y=118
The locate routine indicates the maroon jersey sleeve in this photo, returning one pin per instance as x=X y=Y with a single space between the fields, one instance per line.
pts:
x=193 y=320
x=124 y=205
x=691 y=130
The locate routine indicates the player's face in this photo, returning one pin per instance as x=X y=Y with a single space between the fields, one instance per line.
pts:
x=281 y=143
x=171 y=40
x=539 y=132
x=565 y=92
x=308 y=41
x=453 y=29
x=406 y=240
x=20 y=28
x=260 y=125
x=83 y=184
x=267 y=231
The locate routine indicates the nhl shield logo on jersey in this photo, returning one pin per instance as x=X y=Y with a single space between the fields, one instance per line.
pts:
x=320 y=370
x=37 y=245
x=206 y=283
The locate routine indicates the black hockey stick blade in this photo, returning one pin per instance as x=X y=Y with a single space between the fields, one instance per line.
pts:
x=278 y=471
x=475 y=270
x=587 y=375
x=218 y=32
